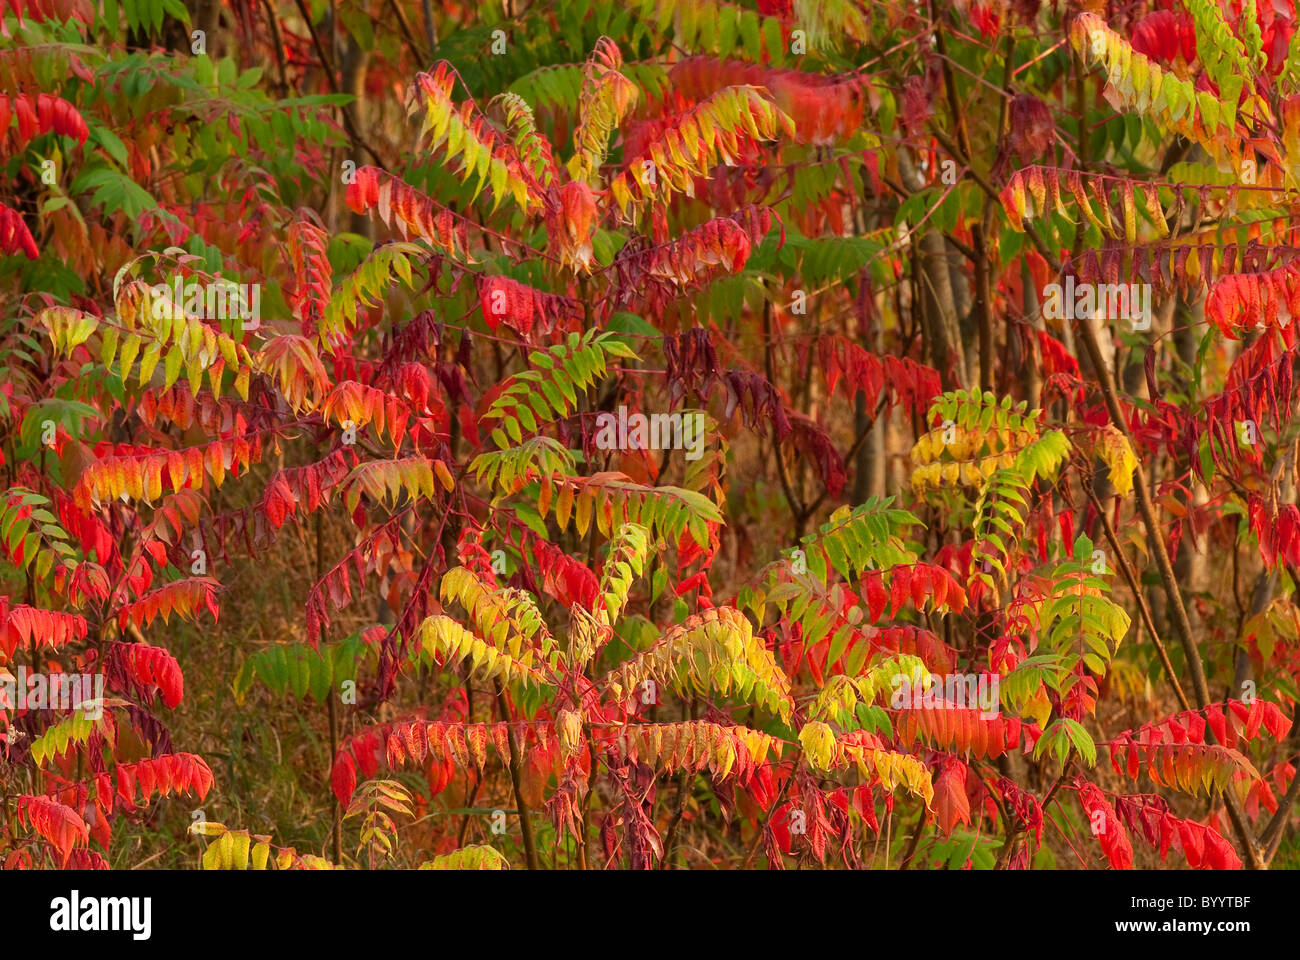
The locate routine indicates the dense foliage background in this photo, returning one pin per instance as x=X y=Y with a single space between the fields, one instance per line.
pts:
x=980 y=313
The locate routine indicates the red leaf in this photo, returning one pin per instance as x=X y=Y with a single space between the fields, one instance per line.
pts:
x=951 y=805
x=1105 y=826
x=876 y=596
x=56 y=823
x=14 y=235
x=900 y=580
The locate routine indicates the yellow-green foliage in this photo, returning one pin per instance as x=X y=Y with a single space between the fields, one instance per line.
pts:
x=714 y=652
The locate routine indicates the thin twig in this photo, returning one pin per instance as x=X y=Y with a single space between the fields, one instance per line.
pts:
x=1136 y=587
x=525 y=826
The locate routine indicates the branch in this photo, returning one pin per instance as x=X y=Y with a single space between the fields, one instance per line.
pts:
x=525 y=827
x=1136 y=587
x=797 y=508
x=330 y=75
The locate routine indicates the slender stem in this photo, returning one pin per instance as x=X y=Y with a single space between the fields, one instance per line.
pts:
x=430 y=31
x=915 y=840
x=1136 y=587
x=1167 y=578
x=408 y=32
x=328 y=65
x=683 y=784
x=525 y=826
x=797 y=508
x=277 y=40
x=979 y=253
x=670 y=836
x=333 y=714
x=471 y=794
